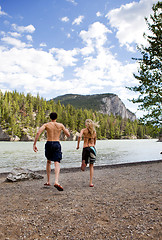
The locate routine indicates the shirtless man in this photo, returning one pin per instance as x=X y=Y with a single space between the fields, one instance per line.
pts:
x=89 y=151
x=52 y=147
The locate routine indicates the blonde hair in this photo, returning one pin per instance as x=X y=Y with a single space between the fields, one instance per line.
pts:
x=91 y=126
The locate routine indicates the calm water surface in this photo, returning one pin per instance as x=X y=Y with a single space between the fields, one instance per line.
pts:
x=21 y=154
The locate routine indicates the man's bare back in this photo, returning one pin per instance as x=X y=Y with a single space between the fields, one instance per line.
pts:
x=53 y=130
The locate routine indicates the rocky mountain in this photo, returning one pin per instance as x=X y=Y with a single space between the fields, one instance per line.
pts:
x=104 y=103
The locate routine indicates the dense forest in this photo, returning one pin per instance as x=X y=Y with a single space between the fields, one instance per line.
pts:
x=24 y=114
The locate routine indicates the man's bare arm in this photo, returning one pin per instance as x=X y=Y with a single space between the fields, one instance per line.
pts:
x=66 y=131
x=41 y=129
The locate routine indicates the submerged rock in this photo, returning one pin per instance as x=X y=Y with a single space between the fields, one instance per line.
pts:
x=21 y=174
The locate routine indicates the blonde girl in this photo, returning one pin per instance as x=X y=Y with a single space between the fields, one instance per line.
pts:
x=89 y=151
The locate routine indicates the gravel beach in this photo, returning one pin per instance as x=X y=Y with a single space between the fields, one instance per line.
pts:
x=125 y=203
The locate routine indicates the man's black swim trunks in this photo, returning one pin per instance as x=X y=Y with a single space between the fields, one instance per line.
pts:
x=89 y=155
x=53 y=151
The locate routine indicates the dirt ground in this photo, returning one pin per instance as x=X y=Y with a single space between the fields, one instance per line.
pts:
x=125 y=203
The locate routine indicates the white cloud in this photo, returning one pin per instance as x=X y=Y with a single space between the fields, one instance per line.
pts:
x=29 y=29
x=130 y=48
x=43 y=44
x=78 y=20
x=87 y=50
x=72 y=1
x=15 y=34
x=2 y=33
x=129 y=21
x=34 y=70
x=105 y=71
x=6 y=22
x=89 y=69
x=101 y=71
x=98 y=14
x=15 y=42
x=65 y=58
x=65 y=19
x=29 y=38
x=29 y=70
x=96 y=35
x=2 y=13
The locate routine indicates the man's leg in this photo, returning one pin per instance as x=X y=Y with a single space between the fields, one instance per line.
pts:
x=91 y=174
x=48 y=170
x=57 y=171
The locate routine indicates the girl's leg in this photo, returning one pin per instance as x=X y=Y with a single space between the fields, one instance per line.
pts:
x=91 y=174
x=83 y=166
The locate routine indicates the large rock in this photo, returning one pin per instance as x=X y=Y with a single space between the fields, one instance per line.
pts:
x=25 y=136
x=15 y=138
x=73 y=136
x=4 y=136
x=114 y=105
x=20 y=174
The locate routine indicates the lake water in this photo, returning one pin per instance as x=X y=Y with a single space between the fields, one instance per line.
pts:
x=21 y=154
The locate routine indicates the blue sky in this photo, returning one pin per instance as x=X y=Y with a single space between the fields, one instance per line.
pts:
x=55 y=47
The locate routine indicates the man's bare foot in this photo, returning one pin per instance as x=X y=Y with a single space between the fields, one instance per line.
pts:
x=83 y=166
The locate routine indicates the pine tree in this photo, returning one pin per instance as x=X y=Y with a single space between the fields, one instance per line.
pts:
x=149 y=74
x=21 y=114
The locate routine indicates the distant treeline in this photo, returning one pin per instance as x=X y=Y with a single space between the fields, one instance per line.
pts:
x=19 y=111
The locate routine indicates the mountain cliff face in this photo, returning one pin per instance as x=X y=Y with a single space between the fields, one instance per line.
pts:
x=114 y=105
x=104 y=103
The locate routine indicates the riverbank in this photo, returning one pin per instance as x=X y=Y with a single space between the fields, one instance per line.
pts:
x=124 y=204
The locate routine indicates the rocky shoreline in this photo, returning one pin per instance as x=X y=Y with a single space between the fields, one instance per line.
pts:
x=125 y=203
x=4 y=136
x=26 y=137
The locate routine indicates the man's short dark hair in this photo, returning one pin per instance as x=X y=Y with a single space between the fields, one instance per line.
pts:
x=53 y=116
